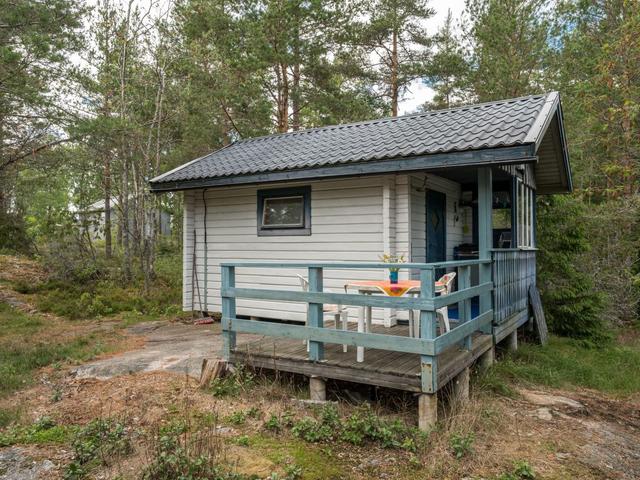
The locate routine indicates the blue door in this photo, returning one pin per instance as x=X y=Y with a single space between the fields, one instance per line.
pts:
x=436 y=226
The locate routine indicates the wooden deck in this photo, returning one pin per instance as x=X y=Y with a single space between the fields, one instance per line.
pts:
x=380 y=367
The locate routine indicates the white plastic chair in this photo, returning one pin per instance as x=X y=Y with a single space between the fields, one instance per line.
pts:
x=339 y=313
x=442 y=314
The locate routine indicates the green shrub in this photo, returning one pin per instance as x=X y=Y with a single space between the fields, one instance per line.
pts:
x=273 y=423
x=461 y=444
x=13 y=234
x=572 y=305
x=233 y=384
x=237 y=418
x=180 y=453
x=44 y=431
x=98 y=443
x=521 y=471
x=360 y=427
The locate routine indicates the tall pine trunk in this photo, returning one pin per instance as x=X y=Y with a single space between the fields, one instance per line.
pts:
x=394 y=74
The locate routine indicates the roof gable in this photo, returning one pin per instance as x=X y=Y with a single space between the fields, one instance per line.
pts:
x=508 y=131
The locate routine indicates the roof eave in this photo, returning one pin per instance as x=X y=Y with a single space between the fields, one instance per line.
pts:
x=515 y=154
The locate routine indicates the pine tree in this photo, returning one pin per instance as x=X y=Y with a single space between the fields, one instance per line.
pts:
x=395 y=35
x=448 y=70
x=509 y=41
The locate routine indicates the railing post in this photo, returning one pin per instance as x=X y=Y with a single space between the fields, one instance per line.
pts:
x=485 y=235
x=428 y=363
x=464 y=307
x=314 y=313
x=228 y=312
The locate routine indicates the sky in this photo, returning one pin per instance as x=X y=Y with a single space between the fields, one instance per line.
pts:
x=418 y=92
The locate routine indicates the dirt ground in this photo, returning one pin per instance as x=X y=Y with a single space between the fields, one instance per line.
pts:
x=562 y=434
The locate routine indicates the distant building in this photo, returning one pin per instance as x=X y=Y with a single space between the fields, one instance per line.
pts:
x=94 y=216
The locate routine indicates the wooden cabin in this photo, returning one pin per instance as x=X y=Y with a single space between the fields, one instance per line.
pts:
x=278 y=229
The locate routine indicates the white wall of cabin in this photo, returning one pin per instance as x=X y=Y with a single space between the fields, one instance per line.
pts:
x=352 y=220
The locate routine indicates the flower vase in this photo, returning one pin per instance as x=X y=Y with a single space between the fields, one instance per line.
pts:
x=393 y=277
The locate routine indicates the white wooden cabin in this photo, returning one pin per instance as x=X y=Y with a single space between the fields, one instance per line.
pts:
x=369 y=185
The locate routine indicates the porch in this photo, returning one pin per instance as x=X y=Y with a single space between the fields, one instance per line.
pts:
x=494 y=304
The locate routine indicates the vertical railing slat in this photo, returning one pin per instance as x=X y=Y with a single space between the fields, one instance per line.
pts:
x=314 y=313
x=228 y=312
x=464 y=307
x=428 y=363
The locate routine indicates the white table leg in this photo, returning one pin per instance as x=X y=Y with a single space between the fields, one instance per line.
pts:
x=345 y=325
x=360 y=350
x=411 y=315
x=368 y=319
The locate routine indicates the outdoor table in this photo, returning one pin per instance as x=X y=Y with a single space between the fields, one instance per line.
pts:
x=382 y=287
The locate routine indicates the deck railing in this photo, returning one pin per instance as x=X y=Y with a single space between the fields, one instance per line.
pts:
x=514 y=271
x=428 y=345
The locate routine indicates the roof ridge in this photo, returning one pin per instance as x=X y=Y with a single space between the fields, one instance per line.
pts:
x=374 y=121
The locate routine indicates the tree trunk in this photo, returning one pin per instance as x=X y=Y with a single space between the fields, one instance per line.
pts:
x=394 y=74
x=107 y=205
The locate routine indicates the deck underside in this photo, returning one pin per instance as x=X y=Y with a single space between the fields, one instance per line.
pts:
x=380 y=367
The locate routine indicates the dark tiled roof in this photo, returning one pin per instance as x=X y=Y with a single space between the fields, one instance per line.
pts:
x=488 y=125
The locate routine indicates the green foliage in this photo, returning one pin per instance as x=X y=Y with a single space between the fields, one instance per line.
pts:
x=521 y=471
x=461 y=444
x=242 y=440
x=566 y=362
x=100 y=442
x=44 y=431
x=81 y=288
x=178 y=452
x=572 y=306
x=22 y=351
x=13 y=234
x=231 y=385
x=510 y=47
x=273 y=423
x=360 y=427
x=237 y=418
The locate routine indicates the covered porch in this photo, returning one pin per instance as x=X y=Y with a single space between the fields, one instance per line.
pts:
x=489 y=303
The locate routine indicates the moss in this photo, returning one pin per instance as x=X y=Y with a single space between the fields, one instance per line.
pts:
x=316 y=462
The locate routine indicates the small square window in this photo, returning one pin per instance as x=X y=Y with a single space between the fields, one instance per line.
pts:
x=284 y=211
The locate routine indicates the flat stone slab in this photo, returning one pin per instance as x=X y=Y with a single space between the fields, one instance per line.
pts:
x=173 y=347
x=548 y=400
x=16 y=464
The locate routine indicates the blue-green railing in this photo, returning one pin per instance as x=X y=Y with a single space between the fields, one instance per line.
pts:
x=514 y=271
x=428 y=346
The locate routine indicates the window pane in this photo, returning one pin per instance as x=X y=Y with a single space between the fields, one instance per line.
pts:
x=283 y=211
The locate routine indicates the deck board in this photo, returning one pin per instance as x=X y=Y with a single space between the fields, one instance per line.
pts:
x=380 y=367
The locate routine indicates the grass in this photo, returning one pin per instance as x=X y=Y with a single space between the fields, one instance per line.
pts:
x=569 y=363
x=26 y=345
x=44 y=431
x=316 y=462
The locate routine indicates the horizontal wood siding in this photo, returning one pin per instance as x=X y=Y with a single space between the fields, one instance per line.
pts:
x=346 y=223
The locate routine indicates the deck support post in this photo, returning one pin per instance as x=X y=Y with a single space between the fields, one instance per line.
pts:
x=428 y=363
x=460 y=386
x=314 y=313
x=485 y=235
x=317 y=389
x=485 y=361
x=427 y=411
x=511 y=341
x=228 y=312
